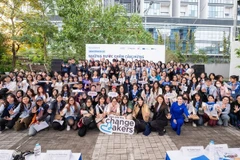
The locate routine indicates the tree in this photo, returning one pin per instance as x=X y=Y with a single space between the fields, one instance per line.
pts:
x=87 y=22
x=39 y=30
x=178 y=47
x=3 y=45
x=11 y=24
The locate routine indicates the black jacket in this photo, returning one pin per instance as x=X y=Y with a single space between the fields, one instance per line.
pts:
x=54 y=107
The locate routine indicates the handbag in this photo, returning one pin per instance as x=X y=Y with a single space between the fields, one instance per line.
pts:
x=80 y=123
x=87 y=120
x=147 y=129
x=200 y=111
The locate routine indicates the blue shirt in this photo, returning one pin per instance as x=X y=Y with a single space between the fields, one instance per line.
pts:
x=177 y=111
x=236 y=90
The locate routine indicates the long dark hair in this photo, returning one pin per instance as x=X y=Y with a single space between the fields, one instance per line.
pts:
x=163 y=105
x=153 y=88
x=22 y=105
x=194 y=100
x=15 y=102
x=124 y=97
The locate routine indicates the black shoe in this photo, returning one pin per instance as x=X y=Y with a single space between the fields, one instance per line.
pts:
x=161 y=133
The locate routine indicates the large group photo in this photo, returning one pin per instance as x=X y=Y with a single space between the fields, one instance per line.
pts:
x=120 y=80
x=85 y=93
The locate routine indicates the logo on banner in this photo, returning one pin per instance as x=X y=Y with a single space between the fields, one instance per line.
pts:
x=117 y=124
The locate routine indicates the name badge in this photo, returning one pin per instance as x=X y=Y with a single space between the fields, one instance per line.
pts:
x=233 y=92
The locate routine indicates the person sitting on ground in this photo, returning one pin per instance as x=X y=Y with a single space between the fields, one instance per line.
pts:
x=24 y=119
x=141 y=115
x=56 y=108
x=9 y=113
x=126 y=108
x=211 y=112
x=88 y=118
x=224 y=110
x=39 y=114
x=235 y=112
x=160 y=116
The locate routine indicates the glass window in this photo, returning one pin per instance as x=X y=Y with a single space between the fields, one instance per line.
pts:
x=216 y=12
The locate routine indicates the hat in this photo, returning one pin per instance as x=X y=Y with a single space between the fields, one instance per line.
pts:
x=39 y=99
x=114 y=87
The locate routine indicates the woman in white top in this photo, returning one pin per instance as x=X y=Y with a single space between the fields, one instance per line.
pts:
x=104 y=81
x=22 y=84
x=100 y=111
x=71 y=112
x=155 y=91
x=42 y=93
x=145 y=94
x=57 y=84
x=122 y=77
x=211 y=112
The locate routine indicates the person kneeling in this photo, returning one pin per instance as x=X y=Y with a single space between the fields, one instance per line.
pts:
x=160 y=116
x=56 y=110
x=141 y=114
x=87 y=119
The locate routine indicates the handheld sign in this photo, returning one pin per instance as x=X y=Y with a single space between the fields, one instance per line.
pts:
x=92 y=94
x=95 y=67
x=115 y=84
x=142 y=82
x=77 y=91
x=112 y=94
x=117 y=124
x=44 y=81
x=72 y=82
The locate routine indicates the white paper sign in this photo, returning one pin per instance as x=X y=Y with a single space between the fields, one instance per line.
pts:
x=59 y=154
x=192 y=151
x=117 y=124
x=142 y=82
x=42 y=125
x=112 y=94
x=6 y=154
x=77 y=91
x=92 y=94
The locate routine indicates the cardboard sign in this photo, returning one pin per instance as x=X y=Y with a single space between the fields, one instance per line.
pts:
x=92 y=94
x=117 y=124
x=112 y=94
x=192 y=151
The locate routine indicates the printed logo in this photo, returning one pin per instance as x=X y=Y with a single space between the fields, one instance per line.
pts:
x=106 y=128
x=117 y=124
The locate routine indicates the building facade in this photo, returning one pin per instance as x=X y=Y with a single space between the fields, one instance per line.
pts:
x=204 y=25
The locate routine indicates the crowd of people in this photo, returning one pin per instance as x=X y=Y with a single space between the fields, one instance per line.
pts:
x=85 y=93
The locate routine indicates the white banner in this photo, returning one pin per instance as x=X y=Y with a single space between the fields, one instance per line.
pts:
x=153 y=53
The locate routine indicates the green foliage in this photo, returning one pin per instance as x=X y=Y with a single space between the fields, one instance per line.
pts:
x=87 y=22
x=3 y=45
x=171 y=56
x=201 y=57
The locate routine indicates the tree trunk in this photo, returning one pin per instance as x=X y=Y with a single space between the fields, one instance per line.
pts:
x=14 y=53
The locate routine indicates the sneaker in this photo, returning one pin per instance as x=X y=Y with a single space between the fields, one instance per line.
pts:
x=206 y=124
x=68 y=128
x=194 y=124
x=164 y=131
x=0 y=132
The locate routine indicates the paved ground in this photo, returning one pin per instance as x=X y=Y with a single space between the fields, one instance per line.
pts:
x=98 y=146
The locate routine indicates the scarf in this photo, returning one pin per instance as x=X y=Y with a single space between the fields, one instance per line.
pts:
x=210 y=104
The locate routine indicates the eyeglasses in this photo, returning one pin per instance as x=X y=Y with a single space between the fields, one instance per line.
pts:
x=71 y=100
